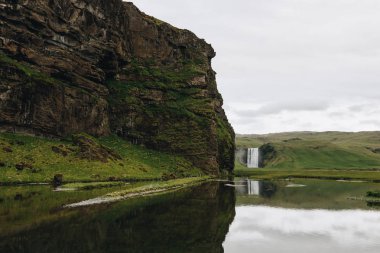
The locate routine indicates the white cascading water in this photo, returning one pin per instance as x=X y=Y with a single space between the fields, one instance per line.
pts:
x=253 y=187
x=253 y=158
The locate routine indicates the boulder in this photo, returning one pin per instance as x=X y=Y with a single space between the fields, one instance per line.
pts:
x=7 y=149
x=59 y=150
x=90 y=149
x=21 y=166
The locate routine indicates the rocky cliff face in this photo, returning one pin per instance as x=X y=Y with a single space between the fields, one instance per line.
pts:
x=104 y=67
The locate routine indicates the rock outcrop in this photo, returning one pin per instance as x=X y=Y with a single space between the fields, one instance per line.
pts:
x=103 y=67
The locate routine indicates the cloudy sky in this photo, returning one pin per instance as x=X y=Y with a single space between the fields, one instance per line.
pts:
x=289 y=65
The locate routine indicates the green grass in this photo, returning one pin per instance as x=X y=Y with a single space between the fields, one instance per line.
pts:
x=137 y=162
x=177 y=99
x=169 y=76
x=367 y=175
x=327 y=150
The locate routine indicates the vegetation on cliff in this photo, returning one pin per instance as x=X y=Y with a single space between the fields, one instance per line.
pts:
x=160 y=107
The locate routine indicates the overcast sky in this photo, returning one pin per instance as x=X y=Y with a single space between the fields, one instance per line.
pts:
x=289 y=65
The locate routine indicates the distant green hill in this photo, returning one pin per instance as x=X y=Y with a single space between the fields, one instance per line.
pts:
x=318 y=150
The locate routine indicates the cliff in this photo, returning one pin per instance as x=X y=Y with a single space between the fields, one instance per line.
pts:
x=104 y=67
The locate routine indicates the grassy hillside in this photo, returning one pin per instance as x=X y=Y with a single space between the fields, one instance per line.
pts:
x=35 y=159
x=315 y=150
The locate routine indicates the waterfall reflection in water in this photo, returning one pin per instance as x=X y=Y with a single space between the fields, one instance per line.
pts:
x=276 y=216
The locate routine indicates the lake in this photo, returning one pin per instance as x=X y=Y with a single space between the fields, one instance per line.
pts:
x=236 y=216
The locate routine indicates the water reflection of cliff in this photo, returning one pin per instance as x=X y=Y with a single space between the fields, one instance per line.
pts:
x=264 y=189
x=194 y=220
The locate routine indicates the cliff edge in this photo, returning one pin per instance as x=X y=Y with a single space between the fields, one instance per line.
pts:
x=104 y=67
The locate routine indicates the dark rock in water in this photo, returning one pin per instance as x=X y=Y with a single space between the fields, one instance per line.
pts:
x=90 y=149
x=7 y=149
x=23 y=165
x=104 y=67
x=58 y=179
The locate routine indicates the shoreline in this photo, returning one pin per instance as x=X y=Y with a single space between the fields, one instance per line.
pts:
x=270 y=174
x=127 y=180
x=142 y=191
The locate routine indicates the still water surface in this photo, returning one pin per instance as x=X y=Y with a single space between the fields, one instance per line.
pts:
x=240 y=216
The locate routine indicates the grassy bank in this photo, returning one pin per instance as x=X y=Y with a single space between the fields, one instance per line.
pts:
x=146 y=189
x=366 y=175
x=136 y=187
x=160 y=186
x=34 y=159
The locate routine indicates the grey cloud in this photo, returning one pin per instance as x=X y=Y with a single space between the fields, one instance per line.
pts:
x=371 y=122
x=269 y=51
x=337 y=114
x=278 y=107
x=357 y=108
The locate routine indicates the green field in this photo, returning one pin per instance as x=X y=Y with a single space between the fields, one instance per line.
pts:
x=39 y=162
x=328 y=155
x=325 y=150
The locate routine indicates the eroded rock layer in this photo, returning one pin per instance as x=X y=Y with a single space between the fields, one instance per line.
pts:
x=103 y=67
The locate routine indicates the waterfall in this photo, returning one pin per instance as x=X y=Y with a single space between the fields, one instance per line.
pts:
x=253 y=158
x=253 y=187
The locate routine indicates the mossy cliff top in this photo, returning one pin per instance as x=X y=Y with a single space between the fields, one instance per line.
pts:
x=103 y=68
